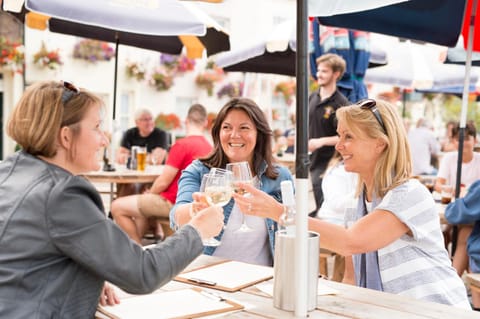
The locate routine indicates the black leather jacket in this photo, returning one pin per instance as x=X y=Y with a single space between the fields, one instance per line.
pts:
x=57 y=247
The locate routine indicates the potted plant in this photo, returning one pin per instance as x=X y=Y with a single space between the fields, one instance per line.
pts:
x=231 y=90
x=47 y=59
x=11 y=54
x=167 y=122
x=160 y=79
x=287 y=89
x=93 y=51
x=135 y=70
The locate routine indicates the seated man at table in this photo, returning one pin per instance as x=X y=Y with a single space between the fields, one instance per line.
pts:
x=131 y=213
x=143 y=134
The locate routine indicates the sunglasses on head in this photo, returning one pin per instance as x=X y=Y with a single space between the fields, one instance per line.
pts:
x=371 y=104
x=69 y=90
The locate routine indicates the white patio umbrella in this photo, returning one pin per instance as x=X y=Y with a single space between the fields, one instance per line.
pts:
x=162 y=25
x=416 y=66
x=161 y=17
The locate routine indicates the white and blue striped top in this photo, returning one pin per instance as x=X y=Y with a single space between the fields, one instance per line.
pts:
x=418 y=266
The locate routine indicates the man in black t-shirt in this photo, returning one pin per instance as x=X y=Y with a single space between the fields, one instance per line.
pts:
x=144 y=134
x=322 y=128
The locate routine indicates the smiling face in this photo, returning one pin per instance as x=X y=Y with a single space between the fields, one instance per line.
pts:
x=238 y=136
x=359 y=152
x=325 y=75
x=88 y=143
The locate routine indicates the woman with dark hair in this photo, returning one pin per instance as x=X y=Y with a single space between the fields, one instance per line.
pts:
x=240 y=133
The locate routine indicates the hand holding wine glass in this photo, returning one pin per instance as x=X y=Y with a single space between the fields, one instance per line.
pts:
x=217 y=191
x=241 y=174
x=208 y=222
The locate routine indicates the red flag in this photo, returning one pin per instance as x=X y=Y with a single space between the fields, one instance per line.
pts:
x=466 y=24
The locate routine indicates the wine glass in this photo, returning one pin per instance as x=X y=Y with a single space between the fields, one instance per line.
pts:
x=218 y=191
x=241 y=174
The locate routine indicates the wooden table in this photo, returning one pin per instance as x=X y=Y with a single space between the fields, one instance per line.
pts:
x=122 y=175
x=350 y=302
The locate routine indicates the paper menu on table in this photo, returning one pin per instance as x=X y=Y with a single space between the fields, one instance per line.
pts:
x=228 y=276
x=322 y=289
x=169 y=305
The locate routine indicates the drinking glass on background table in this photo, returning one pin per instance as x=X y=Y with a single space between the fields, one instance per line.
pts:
x=218 y=191
x=446 y=193
x=241 y=174
x=141 y=158
x=429 y=182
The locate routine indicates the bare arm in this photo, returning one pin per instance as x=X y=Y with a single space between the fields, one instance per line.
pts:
x=163 y=181
x=367 y=234
x=316 y=143
x=438 y=183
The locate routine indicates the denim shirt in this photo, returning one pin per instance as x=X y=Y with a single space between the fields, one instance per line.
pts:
x=189 y=183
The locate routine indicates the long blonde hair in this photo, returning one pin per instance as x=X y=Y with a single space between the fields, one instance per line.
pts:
x=394 y=166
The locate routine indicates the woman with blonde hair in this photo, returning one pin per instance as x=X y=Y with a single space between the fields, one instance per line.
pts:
x=394 y=235
x=57 y=247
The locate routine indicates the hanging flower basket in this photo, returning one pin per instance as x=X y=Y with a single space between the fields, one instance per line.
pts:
x=185 y=64
x=47 y=59
x=93 y=51
x=177 y=63
x=169 y=61
x=135 y=70
x=231 y=90
x=287 y=89
x=208 y=78
x=167 y=121
x=11 y=55
x=161 y=80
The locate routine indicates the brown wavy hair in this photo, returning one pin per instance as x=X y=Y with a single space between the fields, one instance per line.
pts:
x=263 y=146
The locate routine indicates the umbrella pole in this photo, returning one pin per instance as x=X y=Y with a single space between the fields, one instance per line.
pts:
x=463 y=115
x=115 y=73
x=301 y=165
x=466 y=86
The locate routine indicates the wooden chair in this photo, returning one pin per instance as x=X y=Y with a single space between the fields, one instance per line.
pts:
x=338 y=265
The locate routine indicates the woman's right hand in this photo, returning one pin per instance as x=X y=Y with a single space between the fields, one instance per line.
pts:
x=199 y=203
x=208 y=221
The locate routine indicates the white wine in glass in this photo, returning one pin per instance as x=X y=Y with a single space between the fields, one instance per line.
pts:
x=218 y=192
x=241 y=174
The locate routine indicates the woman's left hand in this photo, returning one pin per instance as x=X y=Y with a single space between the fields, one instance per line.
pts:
x=258 y=203
x=108 y=296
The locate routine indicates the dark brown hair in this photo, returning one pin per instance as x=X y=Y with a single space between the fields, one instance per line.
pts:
x=469 y=130
x=263 y=145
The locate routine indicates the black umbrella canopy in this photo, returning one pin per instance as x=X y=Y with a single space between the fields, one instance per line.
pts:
x=214 y=40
